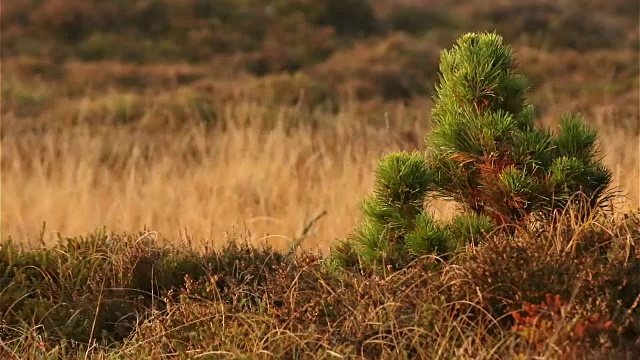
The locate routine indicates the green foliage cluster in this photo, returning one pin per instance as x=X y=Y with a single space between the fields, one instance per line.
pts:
x=486 y=155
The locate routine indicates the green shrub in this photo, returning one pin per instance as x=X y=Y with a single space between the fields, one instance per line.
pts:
x=394 y=213
x=486 y=155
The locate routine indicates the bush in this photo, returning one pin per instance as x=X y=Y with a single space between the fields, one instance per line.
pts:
x=346 y=17
x=486 y=155
x=291 y=44
x=563 y=289
x=417 y=19
x=397 y=68
x=555 y=26
x=395 y=224
x=98 y=46
x=68 y=21
x=96 y=288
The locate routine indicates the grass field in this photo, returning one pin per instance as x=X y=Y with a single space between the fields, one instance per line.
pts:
x=202 y=182
x=197 y=138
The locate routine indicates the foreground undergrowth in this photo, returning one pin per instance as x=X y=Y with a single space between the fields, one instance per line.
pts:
x=569 y=289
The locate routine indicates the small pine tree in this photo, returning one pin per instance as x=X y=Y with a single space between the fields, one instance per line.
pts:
x=485 y=154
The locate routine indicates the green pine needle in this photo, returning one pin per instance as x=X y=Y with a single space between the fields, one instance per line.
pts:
x=485 y=153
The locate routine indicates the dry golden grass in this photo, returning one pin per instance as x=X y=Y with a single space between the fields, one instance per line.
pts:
x=271 y=183
x=206 y=182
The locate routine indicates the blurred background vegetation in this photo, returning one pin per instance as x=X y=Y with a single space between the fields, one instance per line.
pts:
x=346 y=67
x=359 y=50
